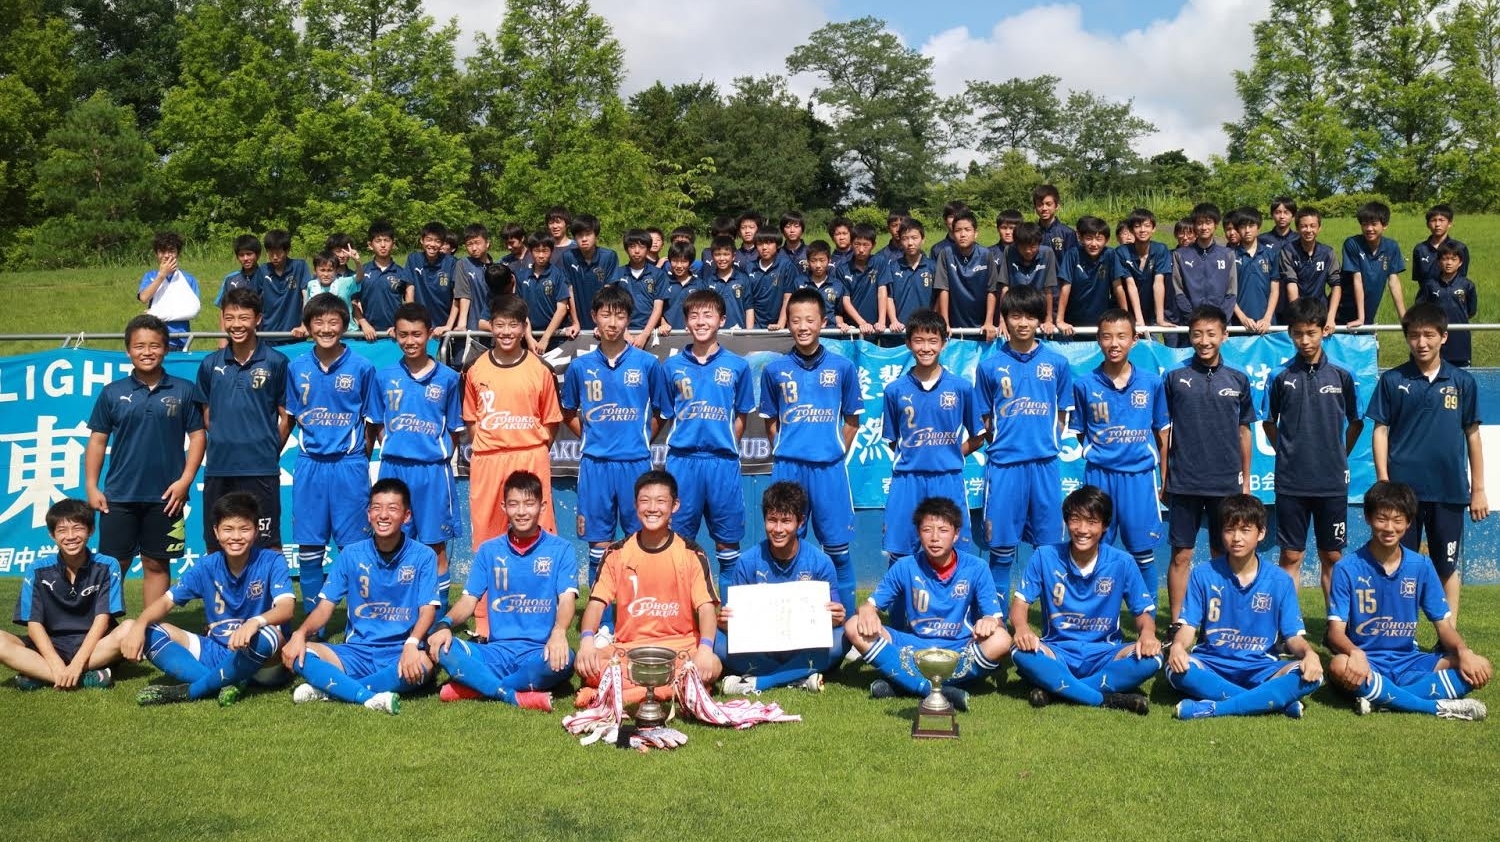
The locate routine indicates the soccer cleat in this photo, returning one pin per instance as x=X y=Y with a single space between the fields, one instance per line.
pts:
x=1362 y=706
x=813 y=683
x=26 y=682
x=1039 y=698
x=308 y=693
x=1468 y=709
x=1193 y=709
x=735 y=685
x=99 y=679
x=1294 y=710
x=1132 y=702
x=230 y=694
x=585 y=698
x=534 y=700
x=161 y=694
x=456 y=692
x=881 y=689
x=386 y=702
x=957 y=697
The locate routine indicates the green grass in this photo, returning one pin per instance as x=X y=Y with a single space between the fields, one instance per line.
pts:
x=102 y=299
x=92 y=765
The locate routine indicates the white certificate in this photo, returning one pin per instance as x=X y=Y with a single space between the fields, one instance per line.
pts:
x=779 y=618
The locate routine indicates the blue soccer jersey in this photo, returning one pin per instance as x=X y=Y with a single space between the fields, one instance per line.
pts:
x=382 y=292
x=832 y=293
x=1381 y=611
x=1008 y=268
x=1375 y=267
x=767 y=286
x=1311 y=406
x=242 y=402
x=66 y=607
x=1205 y=277
x=908 y=286
x=966 y=277
x=469 y=283
x=1079 y=607
x=1427 y=420
x=1315 y=273
x=809 y=398
x=146 y=427
x=613 y=402
x=943 y=609
x=1118 y=424
x=861 y=286
x=1240 y=624
x=1256 y=274
x=432 y=283
x=1089 y=280
x=228 y=599
x=1424 y=261
x=645 y=286
x=543 y=291
x=674 y=292
x=281 y=294
x=383 y=597
x=332 y=405
x=702 y=398
x=757 y=566
x=928 y=424
x=1059 y=236
x=238 y=279
x=420 y=414
x=586 y=276
x=1143 y=269
x=522 y=589
x=735 y=290
x=1022 y=397
x=1208 y=406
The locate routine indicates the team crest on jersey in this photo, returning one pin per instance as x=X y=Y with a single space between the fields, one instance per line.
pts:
x=650 y=286
x=547 y=286
x=344 y=382
x=406 y=575
x=257 y=588
x=394 y=282
x=926 y=279
x=723 y=376
x=804 y=576
x=948 y=400
x=258 y=377
x=1408 y=587
x=1104 y=586
x=1139 y=399
x=542 y=566
x=1460 y=294
x=828 y=378
x=1260 y=603
x=633 y=377
x=435 y=393
x=599 y=273
x=961 y=589
x=1044 y=371
x=442 y=279
x=172 y=404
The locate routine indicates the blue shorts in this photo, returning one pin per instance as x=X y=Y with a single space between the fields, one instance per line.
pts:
x=1023 y=502
x=907 y=490
x=967 y=670
x=1444 y=525
x=1406 y=667
x=606 y=496
x=503 y=656
x=329 y=500
x=708 y=485
x=1186 y=513
x=1329 y=517
x=433 y=490
x=360 y=660
x=1137 y=519
x=1085 y=658
x=1249 y=674
x=827 y=486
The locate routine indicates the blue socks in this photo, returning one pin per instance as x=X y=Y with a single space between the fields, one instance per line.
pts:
x=173 y=658
x=1443 y=684
x=1270 y=697
x=465 y=665
x=389 y=679
x=332 y=680
x=310 y=575
x=843 y=570
x=1382 y=692
x=1001 y=561
x=1202 y=683
x=1126 y=675
x=444 y=583
x=728 y=558
x=1146 y=560
x=178 y=661
x=886 y=657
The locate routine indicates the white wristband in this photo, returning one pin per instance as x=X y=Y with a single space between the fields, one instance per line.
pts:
x=412 y=641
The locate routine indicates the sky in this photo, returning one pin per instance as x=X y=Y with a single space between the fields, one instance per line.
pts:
x=1174 y=58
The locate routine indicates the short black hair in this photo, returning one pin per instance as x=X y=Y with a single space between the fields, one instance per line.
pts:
x=767 y=235
x=540 y=239
x=1301 y=213
x=499 y=279
x=840 y=222
x=1009 y=216
x=1091 y=225
x=411 y=311
x=1025 y=300
x=1449 y=246
x=325 y=258
x=509 y=306
x=699 y=297
x=1442 y=209
x=525 y=482
x=70 y=510
x=513 y=231
x=1207 y=313
x=1250 y=216
x=612 y=297
x=382 y=228
x=1089 y=501
x=247 y=242
x=476 y=229
x=557 y=212
x=721 y=242
x=793 y=217
x=278 y=240
x=941 y=508
x=805 y=295
x=1042 y=191
x=391 y=485
x=636 y=237
x=926 y=320
x=167 y=241
x=1307 y=311
x=965 y=215
x=863 y=231
x=1242 y=510
x=240 y=504
x=1117 y=314
x=1027 y=234
x=244 y=298
x=1284 y=202
x=435 y=229
x=1392 y=496
x=680 y=251
x=1425 y=314
x=1373 y=212
x=656 y=476
x=911 y=224
x=785 y=498
x=819 y=247
x=145 y=321
x=584 y=223
x=325 y=304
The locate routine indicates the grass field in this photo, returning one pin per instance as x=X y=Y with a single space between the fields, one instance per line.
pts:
x=103 y=299
x=93 y=765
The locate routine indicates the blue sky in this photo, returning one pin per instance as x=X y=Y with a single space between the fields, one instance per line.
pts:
x=919 y=21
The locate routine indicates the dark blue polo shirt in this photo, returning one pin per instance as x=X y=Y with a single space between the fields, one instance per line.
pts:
x=1459 y=300
x=242 y=403
x=1316 y=275
x=1058 y=236
x=1426 y=421
x=1208 y=406
x=1424 y=261
x=1090 y=280
x=1204 y=276
x=66 y=609
x=281 y=295
x=967 y=280
x=587 y=277
x=433 y=283
x=146 y=429
x=910 y=287
x=1311 y=406
x=1375 y=268
x=382 y=292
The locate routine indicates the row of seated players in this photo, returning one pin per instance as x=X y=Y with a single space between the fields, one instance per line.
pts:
x=1223 y=658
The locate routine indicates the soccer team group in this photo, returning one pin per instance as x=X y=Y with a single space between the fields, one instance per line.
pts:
x=1166 y=455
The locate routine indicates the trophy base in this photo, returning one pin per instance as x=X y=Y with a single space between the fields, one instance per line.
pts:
x=935 y=726
x=650 y=713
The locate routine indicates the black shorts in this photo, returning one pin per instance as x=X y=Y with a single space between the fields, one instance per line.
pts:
x=1185 y=514
x=266 y=491
x=1329 y=516
x=143 y=529
x=65 y=645
x=1444 y=525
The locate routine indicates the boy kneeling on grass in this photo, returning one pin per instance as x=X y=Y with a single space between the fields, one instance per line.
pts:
x=69 y=610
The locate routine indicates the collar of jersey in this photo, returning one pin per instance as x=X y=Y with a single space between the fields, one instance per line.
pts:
x=1105 y=379
x=1409 y=370
x=1198 y=365
x=1017 y=355
x=811 y=362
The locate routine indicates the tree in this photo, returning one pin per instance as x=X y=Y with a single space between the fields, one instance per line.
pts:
x=1472 y=35
x=36 y=83
x=1174 y=173
x=889 y=125
x=1095 y=144
x=762 y=150
x=1017 y=114
x=127 y=48
x=98 y=184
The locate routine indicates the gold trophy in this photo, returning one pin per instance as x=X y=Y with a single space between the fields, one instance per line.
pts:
x=653 y=667
x=935 y=717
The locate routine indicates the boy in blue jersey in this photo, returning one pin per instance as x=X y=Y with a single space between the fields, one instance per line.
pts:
x=642 y=281
x=1426 y=414
x=1145 y=266
x=420 y=415
x=951 y=210
x=247 y=604
x=732 y=285
x=1025 y=262
x=167 y=290
x=1122 y=423
x=793 y=247
x=241 y=391
x=1056 y=235
x=559 y=223
x=1242 y=607
x=820 y=279
x=1257 y=268
x=247 y=254
x=1025 y=394
x=589 y=266
x=431 y=272
x=906 y=281
x=771 y=281
x=1458 y=298
x=385 y=286
x=1309 y=268
x=326 y=278
x=1204 y=273
x=704 y=394
x=1372 y=262
x=1081 y=586
x=389 y=585
x=1425 y=255
x=282 y=280
x=1211 y=408
x=963 y=273
x=680 y=282
x=333 y=397
x=945 y=599
x=1089 y=277
x=841 y=233
x=471 y=294
x=1374 y=609
x=606 y=402
x=749 y=225
x=547 y=288
x=782 y=557
x=1283 y=220
x=68 y=609
x=530 y=578
x=811 y=401
x=1312 y=419
x=931 y=422
x=142 y=420
x=860 y=277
